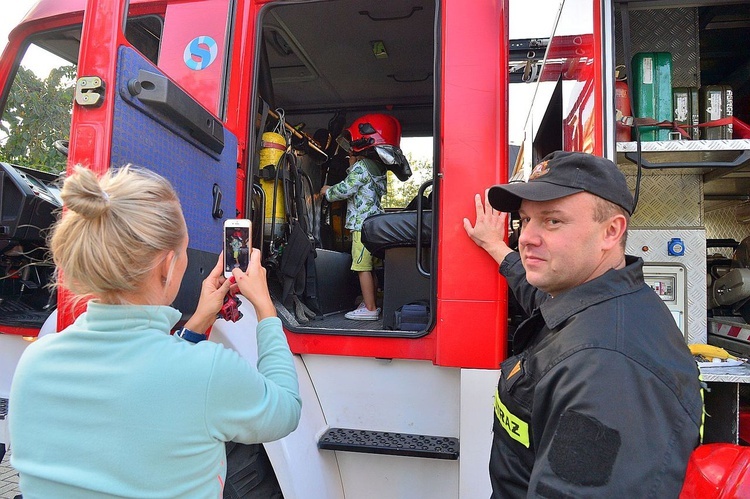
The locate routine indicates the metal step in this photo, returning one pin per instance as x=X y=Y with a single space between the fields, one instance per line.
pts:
x=395 y=444
x=18 y=314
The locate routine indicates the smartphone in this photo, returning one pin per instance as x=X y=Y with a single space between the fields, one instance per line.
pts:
x=237 y=245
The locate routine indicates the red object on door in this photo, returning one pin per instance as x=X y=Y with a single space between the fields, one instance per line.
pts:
x=622 y=108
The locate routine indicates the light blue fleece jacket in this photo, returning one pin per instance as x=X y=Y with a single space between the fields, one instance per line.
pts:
x=114 y=406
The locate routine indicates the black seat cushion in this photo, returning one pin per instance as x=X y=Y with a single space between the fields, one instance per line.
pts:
x=395 y=230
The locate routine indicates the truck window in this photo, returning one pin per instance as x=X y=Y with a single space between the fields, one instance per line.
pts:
x=36 y=116
x=35 y=124
x=418 y=151
x=311 y=85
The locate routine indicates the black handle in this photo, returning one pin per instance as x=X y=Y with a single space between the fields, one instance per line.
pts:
x=394 y=18
x=420 y=216
x=216 y=210
x=160 y=92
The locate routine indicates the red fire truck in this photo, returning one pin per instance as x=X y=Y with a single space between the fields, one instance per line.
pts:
x=189 y=88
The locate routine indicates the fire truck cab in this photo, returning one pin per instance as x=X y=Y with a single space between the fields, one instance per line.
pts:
x=189 y=89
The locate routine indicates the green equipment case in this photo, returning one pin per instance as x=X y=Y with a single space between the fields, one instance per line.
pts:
x=652 y=92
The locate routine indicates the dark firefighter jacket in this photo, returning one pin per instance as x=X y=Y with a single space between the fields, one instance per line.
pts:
x=601 y=397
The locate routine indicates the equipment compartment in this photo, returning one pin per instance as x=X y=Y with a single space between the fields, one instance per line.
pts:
x=701 y=41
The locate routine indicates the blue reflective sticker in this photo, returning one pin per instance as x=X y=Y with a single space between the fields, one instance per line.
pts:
x=200 y=52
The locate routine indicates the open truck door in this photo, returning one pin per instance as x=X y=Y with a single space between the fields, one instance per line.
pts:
x=128 y=110
x=148 y=89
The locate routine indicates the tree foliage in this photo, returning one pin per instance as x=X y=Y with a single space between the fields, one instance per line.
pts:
x=37 y=113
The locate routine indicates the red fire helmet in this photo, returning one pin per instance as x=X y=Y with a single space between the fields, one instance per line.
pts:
x=369 y=131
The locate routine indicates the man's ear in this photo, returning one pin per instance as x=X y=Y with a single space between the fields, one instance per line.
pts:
x=614 y=231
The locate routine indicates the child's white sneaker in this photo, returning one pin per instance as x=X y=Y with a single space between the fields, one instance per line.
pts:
x=362 y=314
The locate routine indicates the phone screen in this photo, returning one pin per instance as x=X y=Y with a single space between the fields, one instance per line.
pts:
x=236 y=248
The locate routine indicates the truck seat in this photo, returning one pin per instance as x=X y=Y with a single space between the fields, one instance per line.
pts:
x=392 y=237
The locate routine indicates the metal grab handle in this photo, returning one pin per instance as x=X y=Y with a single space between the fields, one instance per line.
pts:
x=739 y=160
x=420 y=268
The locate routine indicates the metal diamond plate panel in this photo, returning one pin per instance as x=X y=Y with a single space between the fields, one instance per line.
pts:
x=667 y=201
x=651 y=245
x=723 y=224
x=708 y=146
x=665 y=30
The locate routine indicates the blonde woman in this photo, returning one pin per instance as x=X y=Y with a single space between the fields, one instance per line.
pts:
x=115 y=405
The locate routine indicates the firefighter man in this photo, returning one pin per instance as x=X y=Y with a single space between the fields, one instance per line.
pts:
x=600 y=396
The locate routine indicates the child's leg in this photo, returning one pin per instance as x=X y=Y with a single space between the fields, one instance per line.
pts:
x=369 y=290
x=362 y=265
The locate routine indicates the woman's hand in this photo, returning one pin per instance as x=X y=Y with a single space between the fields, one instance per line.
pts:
x=213 y=290
x=253 y=286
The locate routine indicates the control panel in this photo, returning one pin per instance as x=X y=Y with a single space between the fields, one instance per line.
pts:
x=668 y=281
x=28 y=205
x=675 y=268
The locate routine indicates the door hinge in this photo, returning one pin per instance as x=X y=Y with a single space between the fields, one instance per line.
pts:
x=89 y=91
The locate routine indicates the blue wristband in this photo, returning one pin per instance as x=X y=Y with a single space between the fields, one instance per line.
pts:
x=189 y=335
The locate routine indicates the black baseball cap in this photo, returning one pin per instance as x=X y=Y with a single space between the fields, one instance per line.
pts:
x=561 y=174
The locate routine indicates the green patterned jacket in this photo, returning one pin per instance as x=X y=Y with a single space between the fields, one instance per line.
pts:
x=364 y=185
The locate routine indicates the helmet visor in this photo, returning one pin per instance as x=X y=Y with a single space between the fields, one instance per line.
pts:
x=389 y=155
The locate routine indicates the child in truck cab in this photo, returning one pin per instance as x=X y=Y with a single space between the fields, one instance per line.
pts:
x=363 y=187
x=115 y=405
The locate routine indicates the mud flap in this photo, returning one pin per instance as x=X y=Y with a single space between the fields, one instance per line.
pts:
x=249 y=473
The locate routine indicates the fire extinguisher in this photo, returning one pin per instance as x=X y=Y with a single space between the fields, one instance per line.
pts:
x=622 y=105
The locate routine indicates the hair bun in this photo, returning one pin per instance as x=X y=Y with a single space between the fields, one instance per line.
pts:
x=83 y=194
